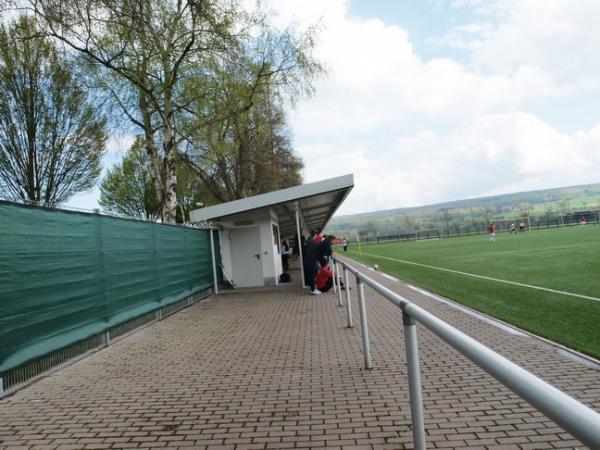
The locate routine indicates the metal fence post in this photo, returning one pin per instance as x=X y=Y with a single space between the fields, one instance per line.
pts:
x=414 y=381
x=348 y=301
x=339 y=291
x=106 y=338
x=1 y=387
x=363 y=323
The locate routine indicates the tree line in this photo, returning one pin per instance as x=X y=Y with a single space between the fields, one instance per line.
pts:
x=204 y=85
x=549 y=207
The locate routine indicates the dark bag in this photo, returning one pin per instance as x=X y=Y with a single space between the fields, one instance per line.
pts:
x=285 y=278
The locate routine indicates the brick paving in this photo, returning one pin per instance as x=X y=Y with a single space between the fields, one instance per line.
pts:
x=278 y=368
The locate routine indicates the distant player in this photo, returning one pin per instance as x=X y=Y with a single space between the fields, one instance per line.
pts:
x=492 y=232
x=521 y=226
x=513 y=229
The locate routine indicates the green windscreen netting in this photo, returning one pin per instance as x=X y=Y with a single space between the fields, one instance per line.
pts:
x=65 y=276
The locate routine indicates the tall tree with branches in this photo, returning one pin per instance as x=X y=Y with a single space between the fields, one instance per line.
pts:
x=158 y=59
x=144 y=52
x=51 y=136
x=128 y=188
x=246 y=149
x=247 y=153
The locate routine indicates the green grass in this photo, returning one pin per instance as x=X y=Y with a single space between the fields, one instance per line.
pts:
x=565 y=259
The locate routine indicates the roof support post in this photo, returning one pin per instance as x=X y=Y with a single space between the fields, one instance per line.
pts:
x=214 y=264
x=299 y=241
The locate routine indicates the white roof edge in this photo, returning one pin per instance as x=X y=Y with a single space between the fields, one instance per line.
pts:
x=272 y=198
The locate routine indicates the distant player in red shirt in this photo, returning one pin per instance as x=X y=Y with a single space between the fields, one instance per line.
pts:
x=492 y=232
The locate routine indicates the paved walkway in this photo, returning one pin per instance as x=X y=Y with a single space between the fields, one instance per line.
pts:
x=278 y=368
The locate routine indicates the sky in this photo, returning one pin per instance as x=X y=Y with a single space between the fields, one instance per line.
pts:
x=428 y=101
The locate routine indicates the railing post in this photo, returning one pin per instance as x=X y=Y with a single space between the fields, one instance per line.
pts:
x=338 y=276
x=299 y=242
x=333 y=266
x=414 y=381
x=1 y=387
x=348 y=302
x=363 y=323
x=214 y=264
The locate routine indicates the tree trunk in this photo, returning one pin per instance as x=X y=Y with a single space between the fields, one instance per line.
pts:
x=151 y=149
x=170 y=186
x=170 y=203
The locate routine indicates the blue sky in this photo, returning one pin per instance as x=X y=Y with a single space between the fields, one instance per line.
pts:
x=422 y=20
x=435 y=100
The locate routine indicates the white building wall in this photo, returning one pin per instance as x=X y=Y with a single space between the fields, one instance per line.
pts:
x=270 y=256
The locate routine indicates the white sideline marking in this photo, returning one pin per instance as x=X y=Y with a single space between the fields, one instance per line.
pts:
x=483 y=277
x=466 y=310
x=389 y=277
x=562 y=350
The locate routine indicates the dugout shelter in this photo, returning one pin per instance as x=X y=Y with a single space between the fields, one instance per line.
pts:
x=250 y=228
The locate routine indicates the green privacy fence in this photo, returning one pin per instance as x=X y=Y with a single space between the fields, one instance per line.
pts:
x=66 y=276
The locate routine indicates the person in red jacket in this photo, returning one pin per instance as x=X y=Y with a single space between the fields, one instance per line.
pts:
x=325 y=277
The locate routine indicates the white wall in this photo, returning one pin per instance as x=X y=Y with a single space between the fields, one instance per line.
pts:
x=270 y=258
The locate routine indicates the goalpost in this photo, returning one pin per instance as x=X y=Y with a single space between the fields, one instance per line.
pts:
x=428 y=234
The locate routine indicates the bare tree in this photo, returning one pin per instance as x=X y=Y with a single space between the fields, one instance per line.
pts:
x=51 y=137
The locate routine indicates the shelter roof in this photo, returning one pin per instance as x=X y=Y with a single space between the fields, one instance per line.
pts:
x=317 y=201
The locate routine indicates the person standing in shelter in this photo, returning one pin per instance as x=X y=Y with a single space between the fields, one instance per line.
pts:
x=492 y=232
x=324 y=250
x=318 y=238
x=345 y=244
x=512 y=228
x=311 y=264
x=521 y=226
x=306 y=259
x=285 y=254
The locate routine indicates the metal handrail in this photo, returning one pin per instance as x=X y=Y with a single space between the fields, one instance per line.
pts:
x=575 y=417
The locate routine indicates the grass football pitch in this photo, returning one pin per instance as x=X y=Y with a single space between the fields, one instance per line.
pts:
x=562 y=259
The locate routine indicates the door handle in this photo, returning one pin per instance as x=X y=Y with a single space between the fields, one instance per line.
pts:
x=257 y=256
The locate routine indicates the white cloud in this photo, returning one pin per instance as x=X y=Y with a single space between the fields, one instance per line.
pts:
x=376 y=79
x=498 y=153
x=559 y=37
x=119 y=144
x=417 y=131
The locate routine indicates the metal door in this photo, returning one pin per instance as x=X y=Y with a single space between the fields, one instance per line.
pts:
x=247 y=259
